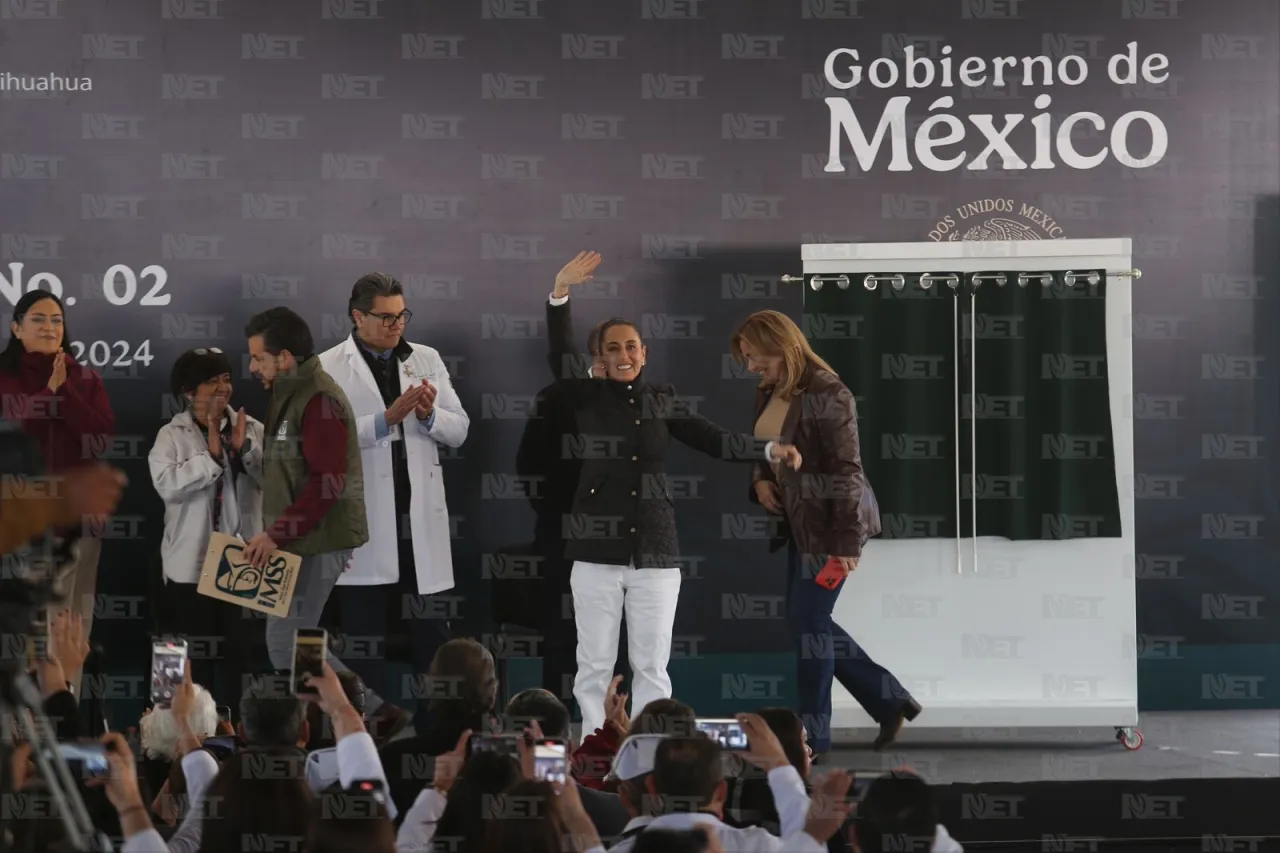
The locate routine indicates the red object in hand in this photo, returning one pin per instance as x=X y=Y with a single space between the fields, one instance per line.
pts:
x=831 y=575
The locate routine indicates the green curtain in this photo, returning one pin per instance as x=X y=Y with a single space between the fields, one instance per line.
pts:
x=1033 y=369
x=895 y=349
x=1036 y=351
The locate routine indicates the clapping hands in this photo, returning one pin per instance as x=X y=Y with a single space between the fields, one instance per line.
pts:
x=419 y=400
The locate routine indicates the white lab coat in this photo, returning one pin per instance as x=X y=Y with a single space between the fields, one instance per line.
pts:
x=186 y=476
x=377 y=561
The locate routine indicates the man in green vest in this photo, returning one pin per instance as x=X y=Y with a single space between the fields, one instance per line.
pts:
x=312 y=482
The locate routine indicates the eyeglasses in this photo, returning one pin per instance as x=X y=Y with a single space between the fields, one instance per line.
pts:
x=41 y=319
x=389 y=320
x=209 y=351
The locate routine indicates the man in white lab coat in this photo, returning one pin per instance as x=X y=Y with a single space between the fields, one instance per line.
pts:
x=405 y=407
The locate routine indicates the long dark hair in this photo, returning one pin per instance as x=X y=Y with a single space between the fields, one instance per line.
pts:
x=271 y=799
x=11 y=355
x=351 y=820
x=483 y=779
x=536 y=828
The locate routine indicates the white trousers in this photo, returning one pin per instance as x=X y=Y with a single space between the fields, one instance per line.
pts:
x=602 y=594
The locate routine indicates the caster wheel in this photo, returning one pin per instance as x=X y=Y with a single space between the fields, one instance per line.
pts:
x=1130 y=739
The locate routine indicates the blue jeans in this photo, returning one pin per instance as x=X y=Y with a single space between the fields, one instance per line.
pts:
x=825 y=651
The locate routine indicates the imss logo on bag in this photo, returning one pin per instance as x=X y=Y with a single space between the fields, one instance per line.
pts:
x=227 y=576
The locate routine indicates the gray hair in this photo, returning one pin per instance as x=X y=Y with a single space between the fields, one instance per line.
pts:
x=159 y=730
x=270 y=714
x=368 y=288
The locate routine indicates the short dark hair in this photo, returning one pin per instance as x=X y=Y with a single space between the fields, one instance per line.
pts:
x=686 y=772
x=320 y=724
x=897 y=813
x=282 y=329
x=540 y=705
x=270 y=715
x=368 y=288
x=195 y=367
x=669 y=717
x=462 y=672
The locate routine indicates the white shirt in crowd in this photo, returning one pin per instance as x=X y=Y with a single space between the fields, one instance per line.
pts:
x=357 y=760
x=791 y=801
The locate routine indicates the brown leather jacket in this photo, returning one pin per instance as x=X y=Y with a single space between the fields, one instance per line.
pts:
x=829 y=506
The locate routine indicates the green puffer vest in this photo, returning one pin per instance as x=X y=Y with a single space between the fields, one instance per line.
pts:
x=284 y=468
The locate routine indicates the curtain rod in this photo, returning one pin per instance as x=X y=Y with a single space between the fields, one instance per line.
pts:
x=898 y=280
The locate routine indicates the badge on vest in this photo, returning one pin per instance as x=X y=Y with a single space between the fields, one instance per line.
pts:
x=282 y=434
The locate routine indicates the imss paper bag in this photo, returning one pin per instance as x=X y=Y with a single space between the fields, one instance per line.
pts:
x=226 y=576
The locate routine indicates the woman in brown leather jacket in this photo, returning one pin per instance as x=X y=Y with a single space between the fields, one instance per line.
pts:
x=828 y=512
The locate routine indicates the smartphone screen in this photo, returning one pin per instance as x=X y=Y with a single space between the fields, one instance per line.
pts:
x=309 y=648
x=224 y=713
x=168 y=666
x=503 y=744
x=85 y=759
x=726 y=731
x=550 y=761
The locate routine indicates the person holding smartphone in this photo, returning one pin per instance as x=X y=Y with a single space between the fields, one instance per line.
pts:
x=557 y=810
x=828 y=512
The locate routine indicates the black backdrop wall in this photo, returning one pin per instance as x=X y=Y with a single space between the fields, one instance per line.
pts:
x=234 y=155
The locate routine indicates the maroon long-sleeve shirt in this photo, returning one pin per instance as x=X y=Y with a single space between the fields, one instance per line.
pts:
x=73 y=425
x=324 y=447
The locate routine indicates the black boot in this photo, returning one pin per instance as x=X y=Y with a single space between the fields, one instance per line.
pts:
x=907 y=711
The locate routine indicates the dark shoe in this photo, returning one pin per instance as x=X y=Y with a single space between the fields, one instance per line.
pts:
x=889 y=729
x=387 y=722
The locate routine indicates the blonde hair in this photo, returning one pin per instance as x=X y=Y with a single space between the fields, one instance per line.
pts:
x=773 y=333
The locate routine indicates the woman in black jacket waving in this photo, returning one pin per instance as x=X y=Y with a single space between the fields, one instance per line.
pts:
x=621 y=531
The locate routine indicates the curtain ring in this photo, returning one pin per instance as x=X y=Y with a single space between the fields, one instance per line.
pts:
x=1045 y=278
x=927 y=279
x=871 y=282
x=842 y=281
x=979 y=277
x=1091 y=278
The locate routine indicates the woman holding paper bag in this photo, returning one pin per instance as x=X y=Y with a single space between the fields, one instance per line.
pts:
x=206 y=465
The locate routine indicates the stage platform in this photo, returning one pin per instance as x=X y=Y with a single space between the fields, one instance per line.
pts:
x=1202 y=781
